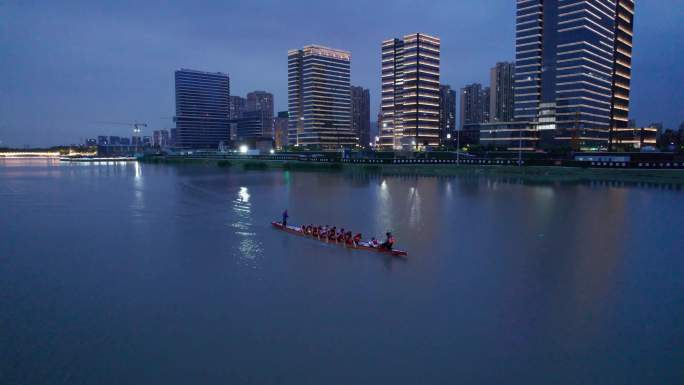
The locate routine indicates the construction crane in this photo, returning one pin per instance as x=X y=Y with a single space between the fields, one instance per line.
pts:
x=136 y=126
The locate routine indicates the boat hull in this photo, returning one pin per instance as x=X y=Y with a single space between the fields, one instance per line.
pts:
x=295 y=231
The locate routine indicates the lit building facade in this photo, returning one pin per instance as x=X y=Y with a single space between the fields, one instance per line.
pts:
x=319 y=98
x=202 y=108
x=633 y=138
x=622 y=63
x=410 y=92
x=567 y=57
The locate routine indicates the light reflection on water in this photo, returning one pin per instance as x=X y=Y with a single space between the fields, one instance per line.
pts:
x=249 y=248
x=413 y=202
x=138 y=205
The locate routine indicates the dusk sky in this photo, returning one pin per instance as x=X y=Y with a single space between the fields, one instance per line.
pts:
x=65 y=65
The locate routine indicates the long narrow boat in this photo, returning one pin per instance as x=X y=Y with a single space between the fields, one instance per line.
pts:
x=360 y=246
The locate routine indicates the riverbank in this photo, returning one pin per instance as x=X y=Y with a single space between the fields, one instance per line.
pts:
x=527 y=172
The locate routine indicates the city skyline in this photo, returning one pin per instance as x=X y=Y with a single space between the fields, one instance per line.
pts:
x=56 y=88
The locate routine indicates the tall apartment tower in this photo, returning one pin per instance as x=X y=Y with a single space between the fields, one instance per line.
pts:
x=484 y=104
x=360 y=113
x=319 y=98
x=202 y=108
x=474 y=105
x=501 y=92
x=410 y=92
x=572 y=61
x=447 y=111
x=237 y=107
x=261 y=102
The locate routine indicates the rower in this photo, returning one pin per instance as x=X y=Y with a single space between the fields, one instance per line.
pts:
x=285 y=216
x=357 y=239
x=373 y=242
x=389 y=242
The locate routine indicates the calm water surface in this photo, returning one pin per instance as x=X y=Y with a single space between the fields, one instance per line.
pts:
x=136 y=273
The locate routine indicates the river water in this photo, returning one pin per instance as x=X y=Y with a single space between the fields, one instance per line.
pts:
x=136 y=273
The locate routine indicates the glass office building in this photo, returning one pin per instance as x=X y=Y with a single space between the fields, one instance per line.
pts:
x=565 y=69
x=202 y=108
x=410 y=92
x=319 y=98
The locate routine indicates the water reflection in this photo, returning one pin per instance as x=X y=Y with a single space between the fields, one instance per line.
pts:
x=413 y=202
x=249 y=248
x=138 y=190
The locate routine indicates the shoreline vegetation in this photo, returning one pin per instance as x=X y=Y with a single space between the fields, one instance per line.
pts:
x=531 y=173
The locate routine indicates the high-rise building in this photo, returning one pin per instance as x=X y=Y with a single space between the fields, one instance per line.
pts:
x=202 y=108
x=360 y=113
x=319 y=98
x=573 y=62
x=622 y=62
x=484 y=107
x=280 y=129
x=262 y=102
x=447 y=111
x=410 y=92
x=173 y=137
x=501 y=92
x=160 y=138
x=236 y=107
x=250 y=125
x=474 y=105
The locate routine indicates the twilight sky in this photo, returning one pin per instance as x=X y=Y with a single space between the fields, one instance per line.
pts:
x=65 y=65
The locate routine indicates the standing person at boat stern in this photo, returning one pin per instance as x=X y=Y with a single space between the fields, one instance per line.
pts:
x=285 y=216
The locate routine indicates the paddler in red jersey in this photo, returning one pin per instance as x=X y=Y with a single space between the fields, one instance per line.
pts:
x=357 y=239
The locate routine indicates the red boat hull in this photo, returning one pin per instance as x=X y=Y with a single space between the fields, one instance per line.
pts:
x=291 y=230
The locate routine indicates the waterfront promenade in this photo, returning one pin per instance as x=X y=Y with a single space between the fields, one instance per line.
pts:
x=617 y=169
